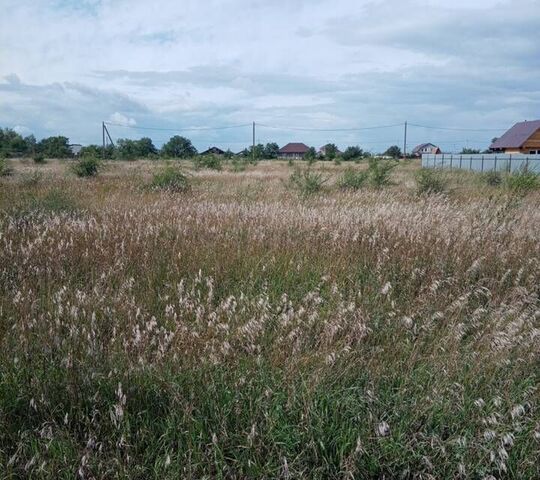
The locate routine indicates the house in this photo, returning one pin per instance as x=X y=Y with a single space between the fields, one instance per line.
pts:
x=523 y=137
x=75 y=149
x=213 y=151
x=419 y=150
x=293 y=150
x=322 y=150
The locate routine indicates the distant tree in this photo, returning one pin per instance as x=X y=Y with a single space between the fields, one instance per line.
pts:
x=179 y=147
x=271 y=150
x=494 y=139
x=97 y=151
x=394 y=151
x=330 y=151
x=469 y=151
x=228 y=154
x=11 y=143
x=146 y=148
x=54 y=147
x=352 y=153
x=311 y=155
x=259 y=152
x=127 y=149
x=30 y=143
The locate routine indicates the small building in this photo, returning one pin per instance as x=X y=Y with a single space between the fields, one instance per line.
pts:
x=213 y=151
x=419 y=150
x=75 y=149
x=523 y=137
x=322 y=151
x=293 y=151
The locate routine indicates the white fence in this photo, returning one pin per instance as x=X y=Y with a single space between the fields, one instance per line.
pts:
x=483 y=162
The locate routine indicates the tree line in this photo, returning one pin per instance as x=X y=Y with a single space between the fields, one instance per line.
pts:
x=13 y=144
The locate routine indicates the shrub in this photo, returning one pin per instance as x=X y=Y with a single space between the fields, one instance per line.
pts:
x=39 y=159
x=429 y=180
x=238 y=165
x=523 y=181
x=87 y=167
x=306 y=181
x=213 y=162
x=379 y=172
x=170 y=178
x=353 y=180
x=492 y=178
x=5 y=169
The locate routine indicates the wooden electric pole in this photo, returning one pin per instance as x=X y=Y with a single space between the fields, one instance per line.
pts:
x=405 y=141
x=253 y=147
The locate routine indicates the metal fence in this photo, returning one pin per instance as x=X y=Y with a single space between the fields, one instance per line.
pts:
x=483 y=162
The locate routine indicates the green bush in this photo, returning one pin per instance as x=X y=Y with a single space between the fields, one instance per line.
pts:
x=523 y=181
x=379 y=172
x=353 y=180
x=306 y=181
x=238 y=164
x=492 y=178
x=429 y=180
x=39 y=159
x=212 y=162
x=87 y=167
x=170 y=178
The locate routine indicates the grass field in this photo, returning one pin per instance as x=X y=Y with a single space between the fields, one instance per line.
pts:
x=243 y=330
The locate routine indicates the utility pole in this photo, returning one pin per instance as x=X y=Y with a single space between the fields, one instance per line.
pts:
x=103 y=134
x=253 y=149
x=405 y=141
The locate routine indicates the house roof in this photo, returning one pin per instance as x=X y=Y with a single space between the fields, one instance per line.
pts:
x=423 y=145
x=294 y=148
x=517 y=135
x=215 y=150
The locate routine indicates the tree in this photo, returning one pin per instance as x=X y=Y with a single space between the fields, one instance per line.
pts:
x=54 y=147
x=352 y=153
x=469 y=151
x=271 y=150
x=330 y=151
x=127 y=148
x=228 y=154
x=97 y=151
x=394 y=151
x=259 y=151
x=145 y=147
x=311 y=155
x=11 y=143
x=179 y=147
x=30 y=143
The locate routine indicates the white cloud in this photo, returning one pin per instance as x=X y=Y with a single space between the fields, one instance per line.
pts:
x=68 y=65
x=117 y=117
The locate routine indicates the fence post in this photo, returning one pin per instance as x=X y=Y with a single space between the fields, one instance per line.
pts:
x=442 y=163
x=527 y=164
x=495 y=165
x=482 y=164
x=510 y=164
x=451 y=158
x=470 y=163
x=460 y=159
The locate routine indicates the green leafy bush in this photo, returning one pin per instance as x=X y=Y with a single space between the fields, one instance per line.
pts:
x=352 y=179
x=523 y=181
x=212 y=162
x=86 y=167
x=306 y=181
x=170 y=178
x=429 y=180
x=39 y=159
x=379 y=172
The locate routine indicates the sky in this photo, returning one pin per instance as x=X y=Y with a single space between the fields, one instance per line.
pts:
x=314 y=71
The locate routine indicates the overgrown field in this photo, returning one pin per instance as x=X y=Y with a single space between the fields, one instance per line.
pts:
x=243 y=328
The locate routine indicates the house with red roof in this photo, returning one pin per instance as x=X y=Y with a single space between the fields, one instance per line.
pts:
x=523 y=137
x=293 y=151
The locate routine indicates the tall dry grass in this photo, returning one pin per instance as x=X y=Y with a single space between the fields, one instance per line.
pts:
x=240 y=330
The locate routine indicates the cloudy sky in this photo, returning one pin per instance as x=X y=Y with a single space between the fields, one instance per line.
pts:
x=66 y=65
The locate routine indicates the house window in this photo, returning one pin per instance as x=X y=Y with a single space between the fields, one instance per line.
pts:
x=534 y=152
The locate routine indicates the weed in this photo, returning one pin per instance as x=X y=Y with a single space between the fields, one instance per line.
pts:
x=379 y=172
x=353 y=179
x=306 y=181
x=40 y=159
x=87 y=167
x=430 y=180
x=170 y=178
x=523 y=181
x=492 y=178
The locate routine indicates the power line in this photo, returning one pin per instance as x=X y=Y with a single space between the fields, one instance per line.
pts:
x=458 y=129
x=305 y=129
x=192 y=129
